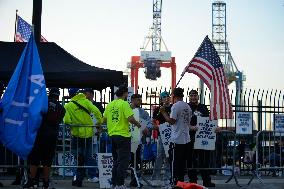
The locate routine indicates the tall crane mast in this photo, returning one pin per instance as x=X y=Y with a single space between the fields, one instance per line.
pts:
x=157 y=31
x=219 y=39
x=152 y=60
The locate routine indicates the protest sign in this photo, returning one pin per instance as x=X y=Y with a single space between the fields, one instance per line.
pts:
x=244 y=122
x=66 y=159
x=205 y=137
x=105 y=164
x=165 y=133
x=135 y=132
x=279 y=124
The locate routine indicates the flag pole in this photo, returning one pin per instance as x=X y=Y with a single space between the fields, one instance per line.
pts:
x=182 y=74
x=16 y=25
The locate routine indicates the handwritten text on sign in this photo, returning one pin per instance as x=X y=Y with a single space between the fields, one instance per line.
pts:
x=244 y=122
x=279 y=123
x=105 y=163
x=205 y=137
x=165 y=132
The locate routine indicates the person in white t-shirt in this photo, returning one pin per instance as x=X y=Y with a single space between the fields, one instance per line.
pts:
x=180 y=120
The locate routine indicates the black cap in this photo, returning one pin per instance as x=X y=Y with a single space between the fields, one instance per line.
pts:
x=193 y=92
x=121 y=89
x=89 y=90
x=178 y=92
x=135 y=96
x=54 y=91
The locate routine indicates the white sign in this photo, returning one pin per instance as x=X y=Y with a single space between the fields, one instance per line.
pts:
x=130 y=93
x=66 y=159
x=205 y=137
x=158 y=55
x=279 y=123
x=105 y=164
x=165 y=133
x=135 y=132
x=244 y=122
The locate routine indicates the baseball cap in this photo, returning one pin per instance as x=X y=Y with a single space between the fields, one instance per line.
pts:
x=90 y=90
x=164 y=94
x=193 y=92
x=73 y=91
x=54 y=91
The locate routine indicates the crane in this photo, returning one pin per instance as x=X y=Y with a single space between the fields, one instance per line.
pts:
x=152 y=60
x=219 y=39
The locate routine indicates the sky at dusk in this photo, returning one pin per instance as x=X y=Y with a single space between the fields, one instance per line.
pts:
x=106 y=33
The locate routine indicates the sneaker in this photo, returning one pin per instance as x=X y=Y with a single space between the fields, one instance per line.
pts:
x=167 y=187
x=166 y=183
x=94 y=180
x=45 y=185
x=121 y=187
x=30 y=184
x=155 y=183
x=77 y=183
x=209 y=184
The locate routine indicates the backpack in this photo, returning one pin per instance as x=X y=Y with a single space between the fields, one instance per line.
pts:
x=55 y=113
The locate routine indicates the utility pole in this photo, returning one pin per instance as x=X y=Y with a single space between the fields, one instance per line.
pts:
x=37 y=9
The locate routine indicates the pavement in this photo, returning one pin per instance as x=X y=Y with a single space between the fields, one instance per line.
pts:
x=267 y=183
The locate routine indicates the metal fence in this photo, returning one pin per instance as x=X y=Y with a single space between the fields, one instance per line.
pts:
x=263 y=104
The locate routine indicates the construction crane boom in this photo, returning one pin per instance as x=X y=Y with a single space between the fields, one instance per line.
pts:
x=156 y=37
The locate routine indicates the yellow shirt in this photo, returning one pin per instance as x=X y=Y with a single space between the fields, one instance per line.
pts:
x=117 y=113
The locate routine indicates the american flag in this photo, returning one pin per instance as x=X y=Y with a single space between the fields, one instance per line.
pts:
x=206 y=64
x=24 y=31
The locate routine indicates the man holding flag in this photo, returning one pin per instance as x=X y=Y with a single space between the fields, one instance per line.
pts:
x=24 y=102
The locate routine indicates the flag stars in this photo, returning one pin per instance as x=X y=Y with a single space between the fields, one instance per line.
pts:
x=36 y=91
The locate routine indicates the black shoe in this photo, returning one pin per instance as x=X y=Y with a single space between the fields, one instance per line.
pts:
x=30 y=184
x=133 y=183
x=209 y=184
x=74 y=182
x=45 y=184
x=1 y=185
x=79 y=183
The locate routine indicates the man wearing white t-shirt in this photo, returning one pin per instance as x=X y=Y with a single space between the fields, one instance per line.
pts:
x=180 y=120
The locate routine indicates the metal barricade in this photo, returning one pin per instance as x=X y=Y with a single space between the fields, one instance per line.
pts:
x=269 y=157
x=222 y=159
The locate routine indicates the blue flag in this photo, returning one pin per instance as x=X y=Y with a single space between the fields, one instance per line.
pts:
x=24 y=102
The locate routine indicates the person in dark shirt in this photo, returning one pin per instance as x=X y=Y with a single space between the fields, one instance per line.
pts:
x=276 y=157
x=158 y=118
x=44 y=147
x=198 y=158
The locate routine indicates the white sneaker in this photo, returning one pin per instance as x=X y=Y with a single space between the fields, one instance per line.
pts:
x=121 y=187
x=155 y=183
x=166 y=183
x=94 y=180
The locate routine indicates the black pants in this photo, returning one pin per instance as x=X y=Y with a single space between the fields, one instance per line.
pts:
x=178 y=158
x=121 y=157
x=198 y=159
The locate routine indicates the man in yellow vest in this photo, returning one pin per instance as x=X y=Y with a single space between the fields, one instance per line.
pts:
x=77 y=115
x=118 y=114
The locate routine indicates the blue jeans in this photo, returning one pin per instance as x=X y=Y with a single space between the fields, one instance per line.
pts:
x=274 y=160
x=160 y=159
x=83 y=151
